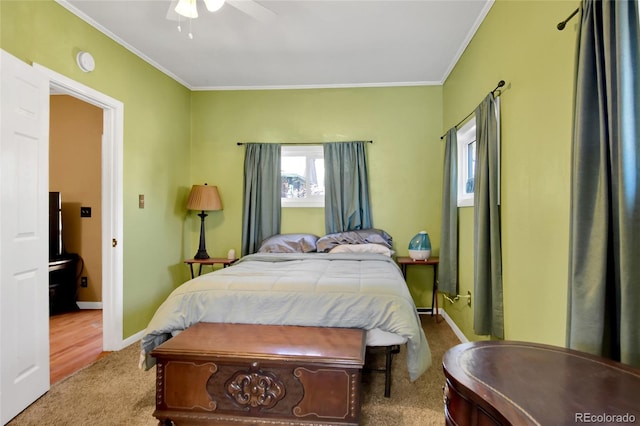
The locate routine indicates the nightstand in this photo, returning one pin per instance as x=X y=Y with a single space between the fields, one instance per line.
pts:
x=210 y=261
x=433 y=262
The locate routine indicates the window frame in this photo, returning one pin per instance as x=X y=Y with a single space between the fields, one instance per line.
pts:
x=466 y=136
x=314 y=151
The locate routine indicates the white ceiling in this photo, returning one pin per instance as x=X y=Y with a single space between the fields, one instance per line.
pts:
x=303 y=43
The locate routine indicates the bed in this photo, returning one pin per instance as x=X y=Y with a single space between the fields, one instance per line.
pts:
x=314 y=282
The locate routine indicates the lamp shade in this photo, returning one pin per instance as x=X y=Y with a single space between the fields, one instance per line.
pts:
x=204 y=198
x=420 y=246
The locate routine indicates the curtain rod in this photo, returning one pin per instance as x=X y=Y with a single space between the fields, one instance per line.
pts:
x=562 y=24
x=297 y=143
x=500 y=84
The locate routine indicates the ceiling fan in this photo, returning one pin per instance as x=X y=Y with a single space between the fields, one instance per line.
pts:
x=179 y=9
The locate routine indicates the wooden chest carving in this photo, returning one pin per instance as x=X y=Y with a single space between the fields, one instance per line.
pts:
x=216 y=373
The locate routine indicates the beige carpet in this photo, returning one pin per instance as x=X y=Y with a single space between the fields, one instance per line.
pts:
x=113 y=391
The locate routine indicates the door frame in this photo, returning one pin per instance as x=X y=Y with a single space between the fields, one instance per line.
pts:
x=112 y=205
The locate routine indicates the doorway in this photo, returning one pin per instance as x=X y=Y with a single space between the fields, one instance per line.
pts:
x=75 y=258
x=75 y=165
x=111 y=200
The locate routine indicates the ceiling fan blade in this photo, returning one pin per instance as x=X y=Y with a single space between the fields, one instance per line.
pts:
x=172 y=15
x=250 y=7
x=253 y=9
x=213 y=5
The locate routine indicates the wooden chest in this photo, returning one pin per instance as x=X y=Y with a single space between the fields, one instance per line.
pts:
x=217 y=373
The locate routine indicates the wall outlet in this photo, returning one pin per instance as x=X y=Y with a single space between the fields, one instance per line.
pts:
x=84 y=282
x=85 y=211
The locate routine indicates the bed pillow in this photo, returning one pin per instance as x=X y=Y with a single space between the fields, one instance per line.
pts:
x=289 y=243
x=360 y=236
x=362 y=248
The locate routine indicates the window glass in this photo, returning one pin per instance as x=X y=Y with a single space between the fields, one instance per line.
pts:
x=471 y=167
x=466 y=162
x=302 y=176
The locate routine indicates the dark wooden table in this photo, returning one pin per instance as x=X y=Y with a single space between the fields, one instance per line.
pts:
x=63 y=286
x=210 y=261
x=433 y=262
x=518 y=383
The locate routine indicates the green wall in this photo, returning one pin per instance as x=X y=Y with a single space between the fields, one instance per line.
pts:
x=156 y=142
x=175 y=138
x=162 y=119
x=405 y=159
x=518 y=42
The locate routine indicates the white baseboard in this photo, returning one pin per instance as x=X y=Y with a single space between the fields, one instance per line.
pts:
x=98 y=305
x=132 y=339
x=89 y=305
x=453 y=326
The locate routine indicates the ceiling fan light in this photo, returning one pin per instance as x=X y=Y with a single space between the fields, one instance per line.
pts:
x=187 y=8
x=213 y=5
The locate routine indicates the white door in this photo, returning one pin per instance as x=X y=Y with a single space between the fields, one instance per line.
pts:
x=24 y=275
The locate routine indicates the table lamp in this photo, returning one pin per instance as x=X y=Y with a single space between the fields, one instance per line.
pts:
x=203 y=198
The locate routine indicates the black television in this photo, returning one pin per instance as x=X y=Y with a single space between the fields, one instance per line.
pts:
x=56 y=247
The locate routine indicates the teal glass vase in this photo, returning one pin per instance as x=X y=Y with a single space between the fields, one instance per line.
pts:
x=420 y=246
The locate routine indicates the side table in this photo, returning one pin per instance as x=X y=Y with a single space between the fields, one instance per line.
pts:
x=63 y=276
x=432 y=261
x=210 y=261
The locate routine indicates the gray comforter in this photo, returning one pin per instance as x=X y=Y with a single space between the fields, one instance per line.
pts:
x=313 y=289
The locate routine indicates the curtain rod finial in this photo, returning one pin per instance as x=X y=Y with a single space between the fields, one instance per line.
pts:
x=501 y=83
x=563 y=24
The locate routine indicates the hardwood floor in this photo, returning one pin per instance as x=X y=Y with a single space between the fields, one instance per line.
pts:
x=75 y=341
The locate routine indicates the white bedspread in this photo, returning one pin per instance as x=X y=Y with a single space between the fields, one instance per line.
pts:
x=316 y=289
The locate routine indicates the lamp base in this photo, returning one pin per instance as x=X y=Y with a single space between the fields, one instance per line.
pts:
x=202 y=249
x=201 y=254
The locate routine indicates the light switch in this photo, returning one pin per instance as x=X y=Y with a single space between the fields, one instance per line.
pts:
x=141 y=201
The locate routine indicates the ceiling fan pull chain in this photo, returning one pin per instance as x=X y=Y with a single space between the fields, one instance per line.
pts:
x=190 y=33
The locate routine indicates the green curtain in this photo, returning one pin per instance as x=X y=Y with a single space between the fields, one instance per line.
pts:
x=604 y=253
x=261 y=207
x=448 y=267
x=488 y=309
x=347 y=206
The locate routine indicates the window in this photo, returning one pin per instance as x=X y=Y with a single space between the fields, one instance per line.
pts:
x=466 y=162
x=302 y=176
